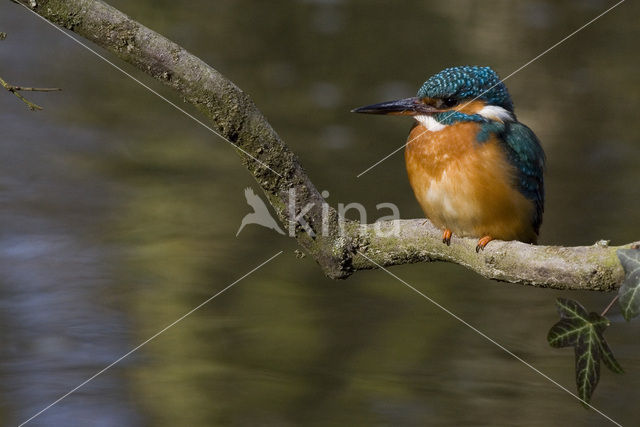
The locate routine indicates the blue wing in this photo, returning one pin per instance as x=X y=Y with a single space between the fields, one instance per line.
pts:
x=526 y=154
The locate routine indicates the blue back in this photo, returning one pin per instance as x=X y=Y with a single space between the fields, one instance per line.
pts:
x=525 y=153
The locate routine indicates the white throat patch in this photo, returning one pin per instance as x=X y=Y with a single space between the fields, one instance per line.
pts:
x=493 y=112
x=430 y=123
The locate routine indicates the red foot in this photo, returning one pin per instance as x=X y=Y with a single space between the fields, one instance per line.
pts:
x=483 y=242
x=446 y=237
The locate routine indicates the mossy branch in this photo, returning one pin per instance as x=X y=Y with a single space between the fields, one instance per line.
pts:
x=341 y=250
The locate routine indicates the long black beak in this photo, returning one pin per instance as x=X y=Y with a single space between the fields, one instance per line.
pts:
x=400 y=107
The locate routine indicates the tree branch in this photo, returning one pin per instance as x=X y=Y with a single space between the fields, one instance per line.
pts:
x=339 y=248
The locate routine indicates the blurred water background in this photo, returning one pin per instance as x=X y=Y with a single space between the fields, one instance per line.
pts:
x=118 y=215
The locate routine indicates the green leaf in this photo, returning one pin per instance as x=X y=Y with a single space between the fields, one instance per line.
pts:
x=583 y=331
x=630 y=289
x=587 y=365
x=608 y=359
x=600 y=323
x=570 y=309
x=563 y=334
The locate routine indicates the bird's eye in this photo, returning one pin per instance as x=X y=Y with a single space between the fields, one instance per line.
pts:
x=449 y=102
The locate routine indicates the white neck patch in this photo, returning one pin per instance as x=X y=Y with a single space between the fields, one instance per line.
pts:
x=493 y=112
x=430 y=123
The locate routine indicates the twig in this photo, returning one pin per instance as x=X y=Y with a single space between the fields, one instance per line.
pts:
x=613 y=301
x=34 y=89
x=16 y=89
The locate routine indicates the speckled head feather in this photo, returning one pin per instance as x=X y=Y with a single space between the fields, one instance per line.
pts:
x=468 y=82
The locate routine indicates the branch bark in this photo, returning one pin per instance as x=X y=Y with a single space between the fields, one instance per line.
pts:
x=339 y=248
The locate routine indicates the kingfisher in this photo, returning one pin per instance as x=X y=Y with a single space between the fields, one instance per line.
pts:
x=475 y=170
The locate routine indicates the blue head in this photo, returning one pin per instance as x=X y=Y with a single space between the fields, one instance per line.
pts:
x=467 y=93
x=467 y=83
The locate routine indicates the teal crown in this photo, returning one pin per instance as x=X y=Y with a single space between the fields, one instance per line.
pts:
x=468 y=82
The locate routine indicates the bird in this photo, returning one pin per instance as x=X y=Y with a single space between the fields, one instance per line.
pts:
x=260 y=214
x=475 y=170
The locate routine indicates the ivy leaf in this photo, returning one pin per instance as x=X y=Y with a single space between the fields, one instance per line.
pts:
x=584 y=332
x=608 y=359
x=630 y=289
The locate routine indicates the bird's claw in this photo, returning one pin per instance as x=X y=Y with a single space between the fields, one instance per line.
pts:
x=482 y=243
x=446 y=237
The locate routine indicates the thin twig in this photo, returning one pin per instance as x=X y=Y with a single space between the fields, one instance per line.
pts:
x=16 y=89
x=613 y=301
x=34 y=89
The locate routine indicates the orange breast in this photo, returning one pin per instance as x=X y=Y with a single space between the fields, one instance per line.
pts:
x=466 y=186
